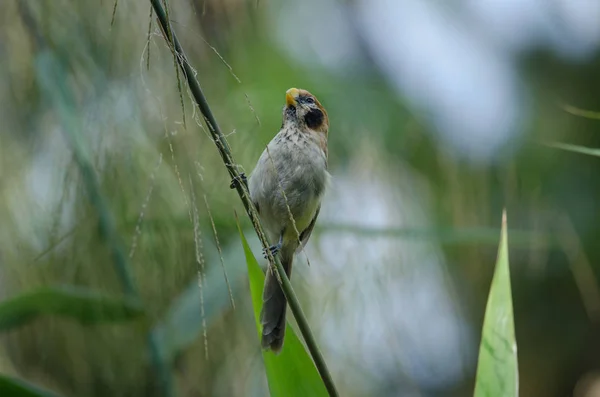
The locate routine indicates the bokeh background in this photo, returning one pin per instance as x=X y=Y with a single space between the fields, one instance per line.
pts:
x=439 y=113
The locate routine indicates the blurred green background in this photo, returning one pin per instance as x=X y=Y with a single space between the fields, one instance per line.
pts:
x=438 y=113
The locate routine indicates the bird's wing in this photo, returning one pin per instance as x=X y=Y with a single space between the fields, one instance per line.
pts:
x=305 y=235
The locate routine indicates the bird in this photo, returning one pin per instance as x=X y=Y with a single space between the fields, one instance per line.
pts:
x=290 y=176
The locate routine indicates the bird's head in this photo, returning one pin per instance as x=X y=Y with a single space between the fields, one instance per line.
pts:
x=304 y=109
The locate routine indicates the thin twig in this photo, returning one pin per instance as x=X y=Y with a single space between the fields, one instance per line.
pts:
x=252 y=108
x=168 y=33
x=199 y=263
x=225 y=152
x=114 y=13
x=216 y=235
x=138 y=225
x=212 y=222
x=148 y=39
x=178 y=175
x=59 y=240
x=231 y=72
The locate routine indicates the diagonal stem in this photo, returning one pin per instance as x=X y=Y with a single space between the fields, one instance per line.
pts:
x=225 y=152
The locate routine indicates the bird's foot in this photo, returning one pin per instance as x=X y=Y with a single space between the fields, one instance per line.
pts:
x=274 y=250
x=236 y=181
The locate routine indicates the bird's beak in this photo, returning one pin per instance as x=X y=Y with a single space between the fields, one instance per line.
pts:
x=290 y=96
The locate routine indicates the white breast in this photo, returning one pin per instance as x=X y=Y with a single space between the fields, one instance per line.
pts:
x=290 y=176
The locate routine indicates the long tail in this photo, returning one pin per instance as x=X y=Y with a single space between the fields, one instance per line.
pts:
x=272 y=316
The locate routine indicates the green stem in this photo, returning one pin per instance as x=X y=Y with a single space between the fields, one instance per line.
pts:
x=225 y=152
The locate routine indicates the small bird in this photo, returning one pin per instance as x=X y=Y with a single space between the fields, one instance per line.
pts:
x=290 y=176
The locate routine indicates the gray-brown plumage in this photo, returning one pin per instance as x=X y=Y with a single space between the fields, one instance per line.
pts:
x=290 y=176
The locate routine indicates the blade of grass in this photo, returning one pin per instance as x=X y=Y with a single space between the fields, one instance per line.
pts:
x=182 y=323
x=80 y=304
x=574 y=148
x=292 y=372
x=497 y=369
x=19 y=388
x=588 y=114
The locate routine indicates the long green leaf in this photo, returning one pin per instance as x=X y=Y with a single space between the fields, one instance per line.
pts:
x=575 y=148
x=497 y=370
x=80 y=304
x=291 y=373
x=19 y=388
x=588 y=114
x=182 y=324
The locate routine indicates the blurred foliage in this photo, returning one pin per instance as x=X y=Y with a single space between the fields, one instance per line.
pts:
x=144 y=159
x=79 y=304
x=17 y=388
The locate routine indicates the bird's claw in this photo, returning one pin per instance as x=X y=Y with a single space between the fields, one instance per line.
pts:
x=236 y=180
x=274 y=250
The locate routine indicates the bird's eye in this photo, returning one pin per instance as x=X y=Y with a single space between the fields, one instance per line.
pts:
x=310 y=100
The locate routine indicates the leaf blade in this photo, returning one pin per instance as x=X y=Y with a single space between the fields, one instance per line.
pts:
x=575 y=111
x=291 y=373
x=574 y=148
x=181 y=325
x=497 y=369
x=80 y=304
x=19 y=388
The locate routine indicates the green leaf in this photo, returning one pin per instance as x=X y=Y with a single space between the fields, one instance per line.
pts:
x=497 y=370
x=588 y=114
x=183 y=323
x=291 y=373
x=80 y=304
x=574 y=148
x=19 y=388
